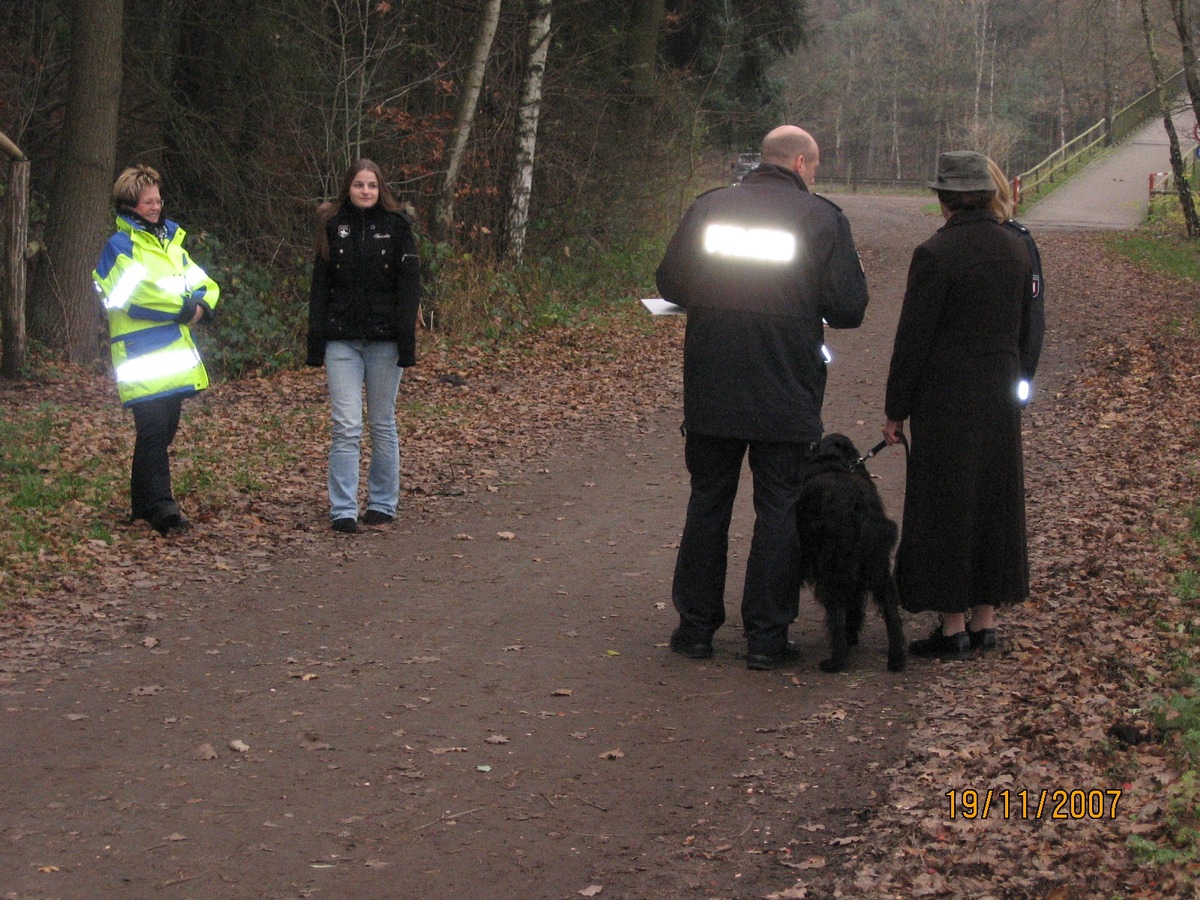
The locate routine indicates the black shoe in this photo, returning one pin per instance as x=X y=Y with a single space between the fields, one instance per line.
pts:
x=765 y=662
x=941 y=646
x=376 y=517
x=690 y=649
x=168 y=522
x=983 y=639
x=345 y=526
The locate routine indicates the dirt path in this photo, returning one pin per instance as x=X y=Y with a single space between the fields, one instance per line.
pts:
x=478 y=702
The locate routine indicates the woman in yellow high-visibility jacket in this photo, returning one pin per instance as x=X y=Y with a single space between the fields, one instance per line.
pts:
x=153 y=293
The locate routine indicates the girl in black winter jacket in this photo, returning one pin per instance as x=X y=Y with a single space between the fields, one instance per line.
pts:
x=362 y=327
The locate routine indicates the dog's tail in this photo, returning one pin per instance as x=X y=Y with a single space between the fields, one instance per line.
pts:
x=880 y=531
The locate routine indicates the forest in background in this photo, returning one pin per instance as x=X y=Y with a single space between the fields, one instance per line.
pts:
x=891 y=84
x=252 y=112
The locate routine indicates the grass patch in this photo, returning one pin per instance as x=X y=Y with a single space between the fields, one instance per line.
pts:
x=420 y=408
x=53 y=496
x=1182 y=817
x=1162 y=245
x=204 y=472
x=1167 y=252
x=1177 y=714
x=1187 y=585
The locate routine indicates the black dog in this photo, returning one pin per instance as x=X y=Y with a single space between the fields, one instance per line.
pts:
x=846 y=541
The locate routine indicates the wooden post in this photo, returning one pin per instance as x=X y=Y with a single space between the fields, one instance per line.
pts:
x=16 y=230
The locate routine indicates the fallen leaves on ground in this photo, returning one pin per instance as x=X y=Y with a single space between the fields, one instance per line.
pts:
x=249 y=462
x=1110 y=476
x=1110 y=473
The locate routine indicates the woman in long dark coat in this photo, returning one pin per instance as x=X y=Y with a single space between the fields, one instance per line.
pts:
x=956 y=365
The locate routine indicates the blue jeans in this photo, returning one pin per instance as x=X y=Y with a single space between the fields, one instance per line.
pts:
x=349 y=365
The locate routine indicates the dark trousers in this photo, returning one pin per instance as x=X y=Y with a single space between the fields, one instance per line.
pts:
x=150 y=481
x=771 y=595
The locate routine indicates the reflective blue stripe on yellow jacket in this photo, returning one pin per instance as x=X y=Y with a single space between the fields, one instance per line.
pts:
x=149 y=286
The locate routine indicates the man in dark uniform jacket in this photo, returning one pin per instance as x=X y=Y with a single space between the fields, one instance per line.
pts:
x=757 y=266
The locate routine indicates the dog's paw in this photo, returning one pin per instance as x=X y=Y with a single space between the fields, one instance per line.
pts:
x=832 y=665
x=897 y=663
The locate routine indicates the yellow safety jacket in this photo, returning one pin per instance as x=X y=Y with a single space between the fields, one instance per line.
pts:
x=151 y=289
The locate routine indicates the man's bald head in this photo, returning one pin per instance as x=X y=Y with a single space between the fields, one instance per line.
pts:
x=794 y=149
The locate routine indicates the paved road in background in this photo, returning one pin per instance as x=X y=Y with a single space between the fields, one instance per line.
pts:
x=1113 y=192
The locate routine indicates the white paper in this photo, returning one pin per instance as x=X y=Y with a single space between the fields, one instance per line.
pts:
x=660 y=307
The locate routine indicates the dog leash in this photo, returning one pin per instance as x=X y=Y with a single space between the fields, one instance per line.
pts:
x=881 y=445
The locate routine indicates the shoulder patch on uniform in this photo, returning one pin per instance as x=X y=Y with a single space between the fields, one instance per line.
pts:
x=826 y=199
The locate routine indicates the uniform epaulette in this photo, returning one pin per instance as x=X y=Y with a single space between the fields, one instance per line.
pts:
x=826 y=199
x=1013 y=223
x=719 y=187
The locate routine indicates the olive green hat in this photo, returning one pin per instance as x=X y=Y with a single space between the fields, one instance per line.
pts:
x=963 y=170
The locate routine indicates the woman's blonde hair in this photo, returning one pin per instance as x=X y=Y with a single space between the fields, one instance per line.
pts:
x=1002 y=205
x=128 y=187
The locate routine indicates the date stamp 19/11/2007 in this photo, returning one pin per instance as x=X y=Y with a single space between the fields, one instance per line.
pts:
x=1062 y=805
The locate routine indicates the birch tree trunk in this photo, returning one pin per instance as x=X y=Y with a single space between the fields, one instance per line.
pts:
x=444 y=216
x=530 y=110
x=1061 y=73
x=1107 y=74
x=1181 y=12
x=64 y=311
x=1181 y=182
x=981 y=28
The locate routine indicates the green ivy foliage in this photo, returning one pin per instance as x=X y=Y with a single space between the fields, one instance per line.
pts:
x=262 y=316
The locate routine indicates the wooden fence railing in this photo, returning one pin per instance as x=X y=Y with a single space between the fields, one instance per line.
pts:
x=1105 y=133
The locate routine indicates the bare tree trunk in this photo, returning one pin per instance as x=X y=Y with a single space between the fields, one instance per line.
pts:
x=896 y=131
x=530 y=111
x=1181 y=12
x=981 y=28
x=845 y=149
x=1109 y=82
x=645 y=24
x=1181 y=182
x=992 y=76
x=444 y=216
x=65 y=314
x=1062 y=75
x=16 y=233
